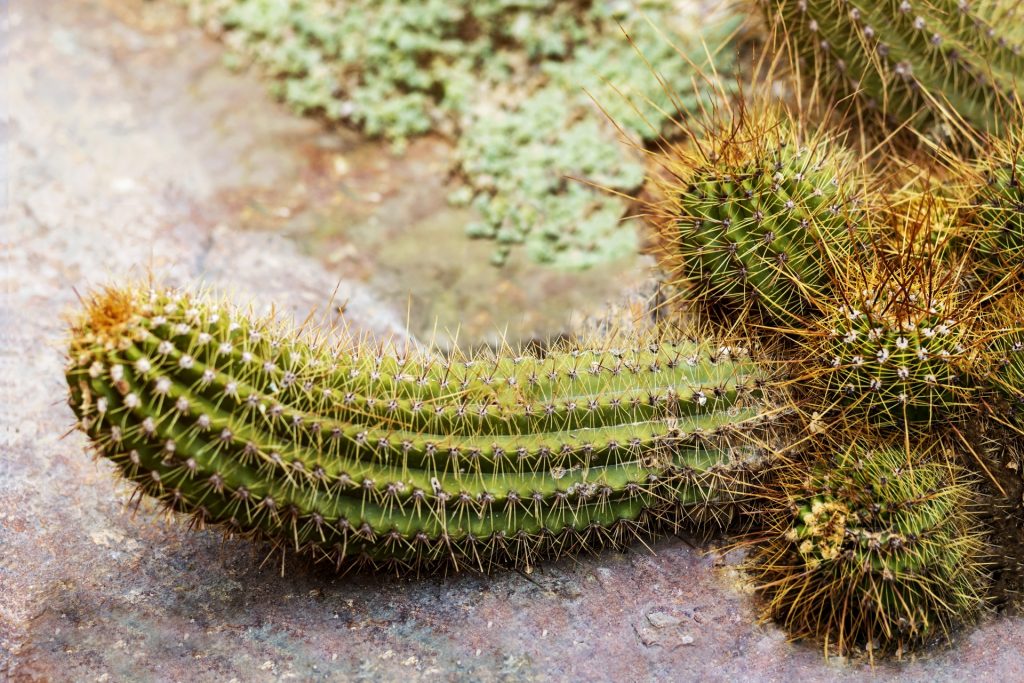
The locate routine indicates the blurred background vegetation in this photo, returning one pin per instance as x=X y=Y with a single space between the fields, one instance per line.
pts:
x=527 y=91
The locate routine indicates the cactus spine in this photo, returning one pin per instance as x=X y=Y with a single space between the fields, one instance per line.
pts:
x=873 y=547
x=758 y=215
x=908 y=57
x=352 y=452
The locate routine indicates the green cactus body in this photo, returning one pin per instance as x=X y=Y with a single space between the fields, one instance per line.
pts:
x=759 y=220
x=1006 y=368
x=998 y=211
x=908 y=57
x=875 y=548
x=364 y=453
x=892 y=356
x=1001 y=362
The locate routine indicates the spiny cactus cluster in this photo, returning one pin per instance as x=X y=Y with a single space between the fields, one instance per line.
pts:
x=356 y=452
x=907 y=328
x=878 y=334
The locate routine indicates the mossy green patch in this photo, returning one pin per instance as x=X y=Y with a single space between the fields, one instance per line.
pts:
x=512 y=80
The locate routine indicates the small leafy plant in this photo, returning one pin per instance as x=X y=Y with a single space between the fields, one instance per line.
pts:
x=513 y=82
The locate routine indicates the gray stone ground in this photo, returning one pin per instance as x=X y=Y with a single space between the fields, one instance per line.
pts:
x=123 y=135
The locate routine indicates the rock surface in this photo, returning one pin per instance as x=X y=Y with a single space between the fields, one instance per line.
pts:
x=124 y=136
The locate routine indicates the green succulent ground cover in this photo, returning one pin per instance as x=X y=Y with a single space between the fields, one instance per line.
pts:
x=514 y=81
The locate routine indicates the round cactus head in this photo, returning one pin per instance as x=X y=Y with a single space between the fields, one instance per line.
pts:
x=756 y=214
x=893 y=350
x=872 y=548
x=923 y=62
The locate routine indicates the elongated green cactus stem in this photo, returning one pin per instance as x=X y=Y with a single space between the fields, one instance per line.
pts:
x=912 y=60
x=356 y=452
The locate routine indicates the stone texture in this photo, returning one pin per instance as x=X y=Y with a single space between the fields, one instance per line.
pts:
x=126 y=145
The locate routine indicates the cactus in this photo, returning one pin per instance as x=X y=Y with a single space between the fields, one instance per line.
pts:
x=874 y=548
x=895 y=349
x=353 y=452
x=996 y=214
x=512 y=82
x=758 y=216
x=913 y=60
x=1001 y=359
